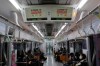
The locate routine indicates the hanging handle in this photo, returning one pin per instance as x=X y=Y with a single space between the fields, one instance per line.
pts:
x=79 y=31
x=92 y=29
x=83 y=29
x=91 y=25
x=85 y=32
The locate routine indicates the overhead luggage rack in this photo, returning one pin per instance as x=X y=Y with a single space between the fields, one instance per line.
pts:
x=84 y=22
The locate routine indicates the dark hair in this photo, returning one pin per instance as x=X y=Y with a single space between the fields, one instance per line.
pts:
x=83 y=56
x=29 y=51
x=77 y=56
x=71 y=54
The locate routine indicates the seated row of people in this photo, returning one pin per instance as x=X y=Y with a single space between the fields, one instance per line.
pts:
x=35 y=59
x=77 y=59
x=61 y=55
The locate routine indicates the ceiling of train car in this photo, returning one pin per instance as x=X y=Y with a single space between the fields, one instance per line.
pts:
x=42 y=2
x=48 y=29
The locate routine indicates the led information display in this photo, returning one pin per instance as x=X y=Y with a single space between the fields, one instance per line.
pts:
x=51 y=12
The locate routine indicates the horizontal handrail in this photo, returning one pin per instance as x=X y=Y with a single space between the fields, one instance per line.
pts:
x=2 y=17
x=88 y=14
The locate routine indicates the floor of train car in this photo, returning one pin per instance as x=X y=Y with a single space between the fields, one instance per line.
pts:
x=51 y=61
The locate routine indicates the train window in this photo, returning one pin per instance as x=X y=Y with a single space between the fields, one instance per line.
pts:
x=71 y=46
x=84 y=46
x=78 y=47
x=68 y=47
x=11 y=31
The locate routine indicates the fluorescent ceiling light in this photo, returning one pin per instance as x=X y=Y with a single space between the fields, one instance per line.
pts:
x=61 y=29
x=37 y=29
x=81 y=4
x=15 y=3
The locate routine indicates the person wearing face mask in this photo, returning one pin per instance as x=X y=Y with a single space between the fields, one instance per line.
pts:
x=83 y=61
x=77 y=59
x=70 y=61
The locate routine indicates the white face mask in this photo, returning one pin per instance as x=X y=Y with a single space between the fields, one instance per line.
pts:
x=80 y=57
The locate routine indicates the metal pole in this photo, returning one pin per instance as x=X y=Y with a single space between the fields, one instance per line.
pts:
x=9 y=54
x=32 y=47
x=1 y=51
x=89 y=54
x=5 y=39
x=9 y=47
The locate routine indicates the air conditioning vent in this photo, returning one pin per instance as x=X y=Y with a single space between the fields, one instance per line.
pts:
x=48 y=2
x=49 y=29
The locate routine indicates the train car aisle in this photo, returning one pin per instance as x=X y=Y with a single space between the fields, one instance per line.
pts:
x=51 y=61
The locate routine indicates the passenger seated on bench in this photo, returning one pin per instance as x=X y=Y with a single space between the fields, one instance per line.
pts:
x=29 y=55
x=71 y=59
x=77 y=55
x=20 y=56
x=76 y=58
x=83 y=61
x=42 y=58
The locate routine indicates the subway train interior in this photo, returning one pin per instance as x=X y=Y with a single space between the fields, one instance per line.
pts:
x=49 y=32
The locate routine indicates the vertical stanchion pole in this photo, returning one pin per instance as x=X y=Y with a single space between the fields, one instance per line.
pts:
x=9 y=53
x=32 y=48
x=1 y=45
x=89 y=54
x=5 y=39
